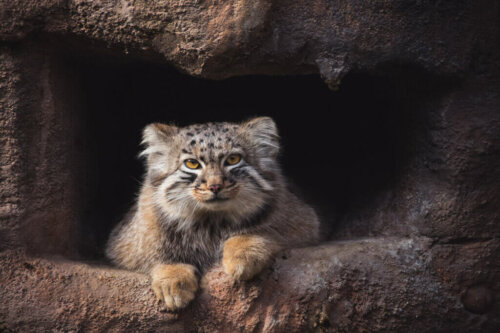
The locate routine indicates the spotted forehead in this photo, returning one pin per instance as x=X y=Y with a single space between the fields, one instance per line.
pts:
x=209 y=141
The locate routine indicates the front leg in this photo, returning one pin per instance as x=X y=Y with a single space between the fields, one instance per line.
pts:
x=174 y=284
x=245 y=256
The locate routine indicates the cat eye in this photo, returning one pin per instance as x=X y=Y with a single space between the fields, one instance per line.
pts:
x=233 y=159
x=192 y=164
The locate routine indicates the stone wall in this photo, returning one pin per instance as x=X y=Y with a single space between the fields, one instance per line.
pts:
x=420 y=254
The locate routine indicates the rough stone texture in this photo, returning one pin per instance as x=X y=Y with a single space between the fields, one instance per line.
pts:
x=373 y=285
x=39 y=151
x=219 y=38
x=431 y=259
x=450 y=190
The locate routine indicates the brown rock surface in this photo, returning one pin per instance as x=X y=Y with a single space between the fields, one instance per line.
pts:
x=219 y=38
x=375 y=285
x=429 y=256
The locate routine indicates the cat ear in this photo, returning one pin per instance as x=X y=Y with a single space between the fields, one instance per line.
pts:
x=156 y=138
x=262 y=134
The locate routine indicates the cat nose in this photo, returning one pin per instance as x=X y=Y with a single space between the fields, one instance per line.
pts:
x=215 y=188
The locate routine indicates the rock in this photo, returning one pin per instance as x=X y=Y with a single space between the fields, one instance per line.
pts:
x=219 y=39
x=364 y=285
x=478 y=299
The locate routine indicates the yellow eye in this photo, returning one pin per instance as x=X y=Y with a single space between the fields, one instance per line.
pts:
x=192 y=164
x=233 y=159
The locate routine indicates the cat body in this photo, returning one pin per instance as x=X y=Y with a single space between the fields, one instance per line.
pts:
x=211 y=192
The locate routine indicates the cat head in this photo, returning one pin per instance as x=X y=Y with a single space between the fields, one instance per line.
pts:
x=214 y=168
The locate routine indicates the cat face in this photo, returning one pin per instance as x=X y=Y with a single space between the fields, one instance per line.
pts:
x=221 y=168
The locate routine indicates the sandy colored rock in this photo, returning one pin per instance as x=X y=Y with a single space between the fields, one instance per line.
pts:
x=366 y=285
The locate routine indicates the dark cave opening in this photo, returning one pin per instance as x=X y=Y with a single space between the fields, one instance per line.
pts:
x=339 y=148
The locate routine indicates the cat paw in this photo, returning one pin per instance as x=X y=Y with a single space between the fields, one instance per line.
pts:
x=175 y=284
x=245 y=256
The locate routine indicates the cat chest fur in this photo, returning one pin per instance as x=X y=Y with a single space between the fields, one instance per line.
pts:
x=198 y=243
